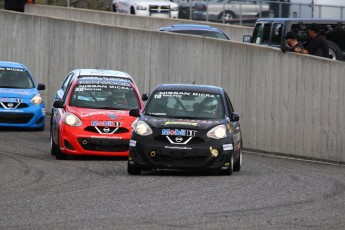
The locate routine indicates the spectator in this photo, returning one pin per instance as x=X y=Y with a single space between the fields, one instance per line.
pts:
x=114 y=6
x=291 y=43
x=317 y=44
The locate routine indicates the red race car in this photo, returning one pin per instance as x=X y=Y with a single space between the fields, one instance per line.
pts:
x=93 y=118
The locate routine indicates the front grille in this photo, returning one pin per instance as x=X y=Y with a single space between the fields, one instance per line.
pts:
x=154 y=9
x=13 y=105
x=164 y=139
x=178 y=157
x=111 y=129
x=104 y=144
x=15 y=118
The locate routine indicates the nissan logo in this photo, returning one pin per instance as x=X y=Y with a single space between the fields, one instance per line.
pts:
x=10 y=105
x=178 y=139
x=106 y=130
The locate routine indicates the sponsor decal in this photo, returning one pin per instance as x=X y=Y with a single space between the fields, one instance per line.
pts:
x=12 y=110
x=180 y=94
x=12 y=100
x=106 y=123
x=112 y=116
x=228 y=147
x=181 y=123
x=12 y=69
x=106 y=137
x=132 y=143
x=177 y=147
x=178 y=132
x=214 y=152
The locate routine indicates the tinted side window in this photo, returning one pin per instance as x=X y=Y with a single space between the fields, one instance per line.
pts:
x=277 y=34
x=228 y=103
x=67 y=80
x=261 y=34
x=266 y=34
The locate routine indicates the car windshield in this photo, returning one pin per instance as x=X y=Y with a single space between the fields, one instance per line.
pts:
x=184 y=104
x=205 y=33
x=15 y=78
x=104 y=95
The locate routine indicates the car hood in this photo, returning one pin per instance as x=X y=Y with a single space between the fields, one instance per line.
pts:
x=103 y=115
x=165 y=123
x=18 y=93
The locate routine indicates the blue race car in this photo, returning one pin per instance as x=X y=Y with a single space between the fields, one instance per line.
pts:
x=21 y=105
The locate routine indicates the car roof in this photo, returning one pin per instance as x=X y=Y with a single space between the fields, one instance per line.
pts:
x=316 y=20
x=103 y=72
x=11 y=64
x=190 y=27
x=189 y=87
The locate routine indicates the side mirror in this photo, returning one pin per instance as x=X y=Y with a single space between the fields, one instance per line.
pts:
x=144 y=97
x=41 y=87
x=134 y=113
x=58 y=104
x=234 y=117
x=247 y=38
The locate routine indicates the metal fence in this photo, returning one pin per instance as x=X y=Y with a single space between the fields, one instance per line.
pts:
x=246 y=12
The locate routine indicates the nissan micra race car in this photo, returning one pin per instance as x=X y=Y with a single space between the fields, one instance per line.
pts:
x=188 y=127
x=21 y=104
x=93 y=118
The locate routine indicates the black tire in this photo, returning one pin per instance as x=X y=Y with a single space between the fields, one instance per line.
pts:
x=334 y=51
x=132 y=169
x=53 y=146
x=227 y=15
x=230 y=169
x=238 y=163
x=58 y=154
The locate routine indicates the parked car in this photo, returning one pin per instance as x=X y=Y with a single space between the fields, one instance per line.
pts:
x=190 y=127
x=270 y=32
x=195 y=29
x=93 y=118
x=21 y=104
x=218 y=10
x=154 y=8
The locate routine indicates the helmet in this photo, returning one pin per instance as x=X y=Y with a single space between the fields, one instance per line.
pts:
x=209 y=104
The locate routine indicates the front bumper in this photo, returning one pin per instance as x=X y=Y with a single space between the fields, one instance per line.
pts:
x=152 y=154
x=76 y=141
x=30 y=117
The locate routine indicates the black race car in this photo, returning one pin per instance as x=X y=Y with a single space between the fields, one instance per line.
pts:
x=188 y=127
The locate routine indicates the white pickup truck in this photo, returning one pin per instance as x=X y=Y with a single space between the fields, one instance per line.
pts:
x=154 y=8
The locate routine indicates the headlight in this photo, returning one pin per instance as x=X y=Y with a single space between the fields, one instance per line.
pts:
x=174 y=8
x=72 y=120
x=143 y=129
x=141 y=7
x=37 y=100
x=217 y=132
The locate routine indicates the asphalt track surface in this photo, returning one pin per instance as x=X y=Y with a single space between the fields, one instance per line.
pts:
x=39 y=192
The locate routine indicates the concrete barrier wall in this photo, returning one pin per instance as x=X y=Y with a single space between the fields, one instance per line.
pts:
x=288 y=103
x=125 y=20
